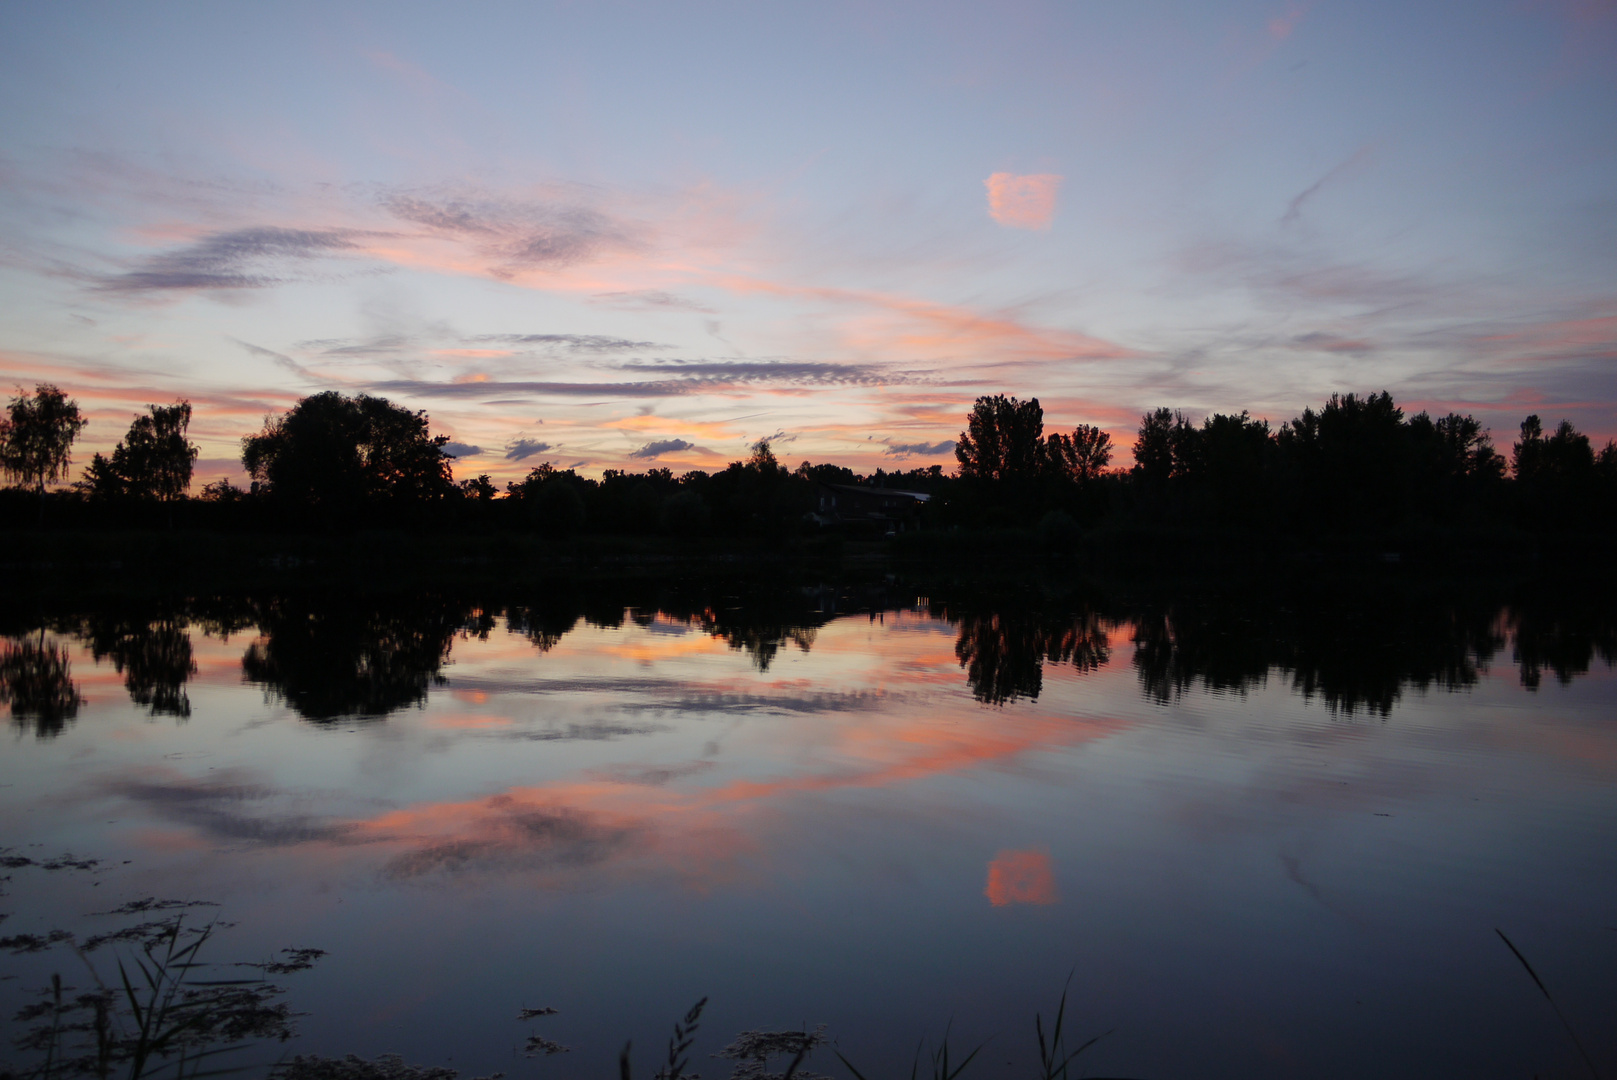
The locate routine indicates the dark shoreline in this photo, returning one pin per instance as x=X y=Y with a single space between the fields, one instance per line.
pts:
x=40 y=563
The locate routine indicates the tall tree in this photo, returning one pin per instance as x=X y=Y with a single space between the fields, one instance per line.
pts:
x=36 y=438
x=153 y=461
x=1003 y=440
x=1081 y=456
x=1165 y=446
x=1565 y=455
x=330 y=451
x=1349 y=461
x=763 y=461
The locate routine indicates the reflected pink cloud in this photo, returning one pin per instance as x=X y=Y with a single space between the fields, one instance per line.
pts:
x=677 y=824
x=1020 y=877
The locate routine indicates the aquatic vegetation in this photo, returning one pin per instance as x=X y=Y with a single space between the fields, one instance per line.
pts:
x=162 y=1015
x=751 y=1051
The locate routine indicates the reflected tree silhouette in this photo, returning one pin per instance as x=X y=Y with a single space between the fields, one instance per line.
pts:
x=1356 y=647
x=761 y=641
x=542 y=624
x=1356 y=652
x=153 y=655
x=1564 y=639
x=1004 y=653
x=336 y=658
x=759 y=622
x=36 y=680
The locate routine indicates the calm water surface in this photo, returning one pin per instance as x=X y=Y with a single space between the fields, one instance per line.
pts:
x=1265 y=838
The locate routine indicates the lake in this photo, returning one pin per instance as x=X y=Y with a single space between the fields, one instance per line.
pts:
x=1256 y=830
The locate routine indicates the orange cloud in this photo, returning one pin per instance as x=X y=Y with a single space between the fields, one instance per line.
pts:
x=1020 y=877
x=1022 y=202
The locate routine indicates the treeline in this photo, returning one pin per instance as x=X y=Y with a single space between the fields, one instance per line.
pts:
x=1356 y=465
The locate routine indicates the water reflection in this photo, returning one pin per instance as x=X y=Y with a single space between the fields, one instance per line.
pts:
x=1565 y=639
x=1358 y=650
x=1021 y=877
x=986 y=769
x=1004 y=652
x=364 y=658
x=36 y=680
x=152 y=654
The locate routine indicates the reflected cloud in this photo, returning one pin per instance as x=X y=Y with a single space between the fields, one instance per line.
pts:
x=653 y=776
x=227 y=806
x=508 y=831
x=1020 y=877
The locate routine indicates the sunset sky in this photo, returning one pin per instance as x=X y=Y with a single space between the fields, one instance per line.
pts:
x=611 y=236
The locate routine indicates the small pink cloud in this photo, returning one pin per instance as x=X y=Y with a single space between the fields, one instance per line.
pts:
x=1280 y=27
x=1020 y=877
x=1022 y=202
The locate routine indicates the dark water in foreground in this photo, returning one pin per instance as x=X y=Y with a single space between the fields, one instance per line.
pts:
x=1268 y=835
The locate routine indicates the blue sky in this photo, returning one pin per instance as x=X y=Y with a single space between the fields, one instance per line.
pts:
x=618 y=236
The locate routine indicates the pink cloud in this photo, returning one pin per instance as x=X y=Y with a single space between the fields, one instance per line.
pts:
x=1281 y=26
x=1022 y=202
x=1020 y=877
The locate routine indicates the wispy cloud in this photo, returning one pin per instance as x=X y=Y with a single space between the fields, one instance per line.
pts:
x=238 y=259
x=522 y=449
x=279 y=358
x=1319 y=341
x=644 y=299
x=1356 y=161
x=919 y=449
x=517 y=235
x=797 y=371
x=659 y=448
x=578 y=342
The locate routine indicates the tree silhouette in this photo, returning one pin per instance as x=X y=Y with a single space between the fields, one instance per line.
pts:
x=1348 y=462
x=36 y=438
x=153 y=461
x=1003 y=440
x=1563 y=456
x=329 y=450
x=1079 y=457
x=1161 y=446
